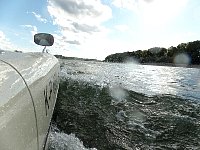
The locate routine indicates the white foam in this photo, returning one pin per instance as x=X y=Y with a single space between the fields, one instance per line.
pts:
x=61 y=141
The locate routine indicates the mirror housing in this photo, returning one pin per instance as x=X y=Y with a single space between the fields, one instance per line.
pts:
x=44 y=39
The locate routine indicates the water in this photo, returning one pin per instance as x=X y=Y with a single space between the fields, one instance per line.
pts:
x=126 y=107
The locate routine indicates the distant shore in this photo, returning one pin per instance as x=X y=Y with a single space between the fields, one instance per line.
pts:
x=153 y=64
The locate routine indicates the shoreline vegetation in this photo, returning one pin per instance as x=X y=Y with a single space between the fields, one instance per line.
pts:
x=75 y=58
x=151 y=64
x=183 y=55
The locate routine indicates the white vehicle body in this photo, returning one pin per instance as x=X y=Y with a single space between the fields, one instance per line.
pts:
x=28 y=89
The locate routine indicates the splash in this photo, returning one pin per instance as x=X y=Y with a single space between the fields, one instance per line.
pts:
x=61 y=141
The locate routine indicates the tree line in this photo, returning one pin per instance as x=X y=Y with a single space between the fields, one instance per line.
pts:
x=160 y=54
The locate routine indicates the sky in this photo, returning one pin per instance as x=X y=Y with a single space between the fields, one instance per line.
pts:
x=98 y=28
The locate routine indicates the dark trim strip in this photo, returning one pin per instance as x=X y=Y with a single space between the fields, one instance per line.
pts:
x=46 y=138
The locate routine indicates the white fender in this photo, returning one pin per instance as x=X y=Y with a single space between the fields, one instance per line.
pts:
x=28 y=90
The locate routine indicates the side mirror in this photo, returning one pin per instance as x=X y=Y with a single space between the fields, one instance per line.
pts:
x=44 y=39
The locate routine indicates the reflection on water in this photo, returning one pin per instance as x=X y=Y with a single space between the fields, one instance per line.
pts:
x=147 y=79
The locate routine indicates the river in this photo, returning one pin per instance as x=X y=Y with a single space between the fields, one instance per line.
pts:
x=112 y=106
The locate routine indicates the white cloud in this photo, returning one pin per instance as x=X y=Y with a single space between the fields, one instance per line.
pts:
x=2 y=35
x=10 y=44
x=5 y=43
x=88 y=12
x=155 y=19
x=160 y=13
x=33 y=29
x=122 y=27
x=31 y=46
x=80 y=25
x=39 y=17
x=196 y=13
x=96 y=46
x=153 y=13
x=125 y=4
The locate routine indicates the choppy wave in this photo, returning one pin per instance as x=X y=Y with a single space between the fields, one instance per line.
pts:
x=111 y=117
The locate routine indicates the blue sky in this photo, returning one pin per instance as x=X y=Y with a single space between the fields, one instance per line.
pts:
x=97 y=28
